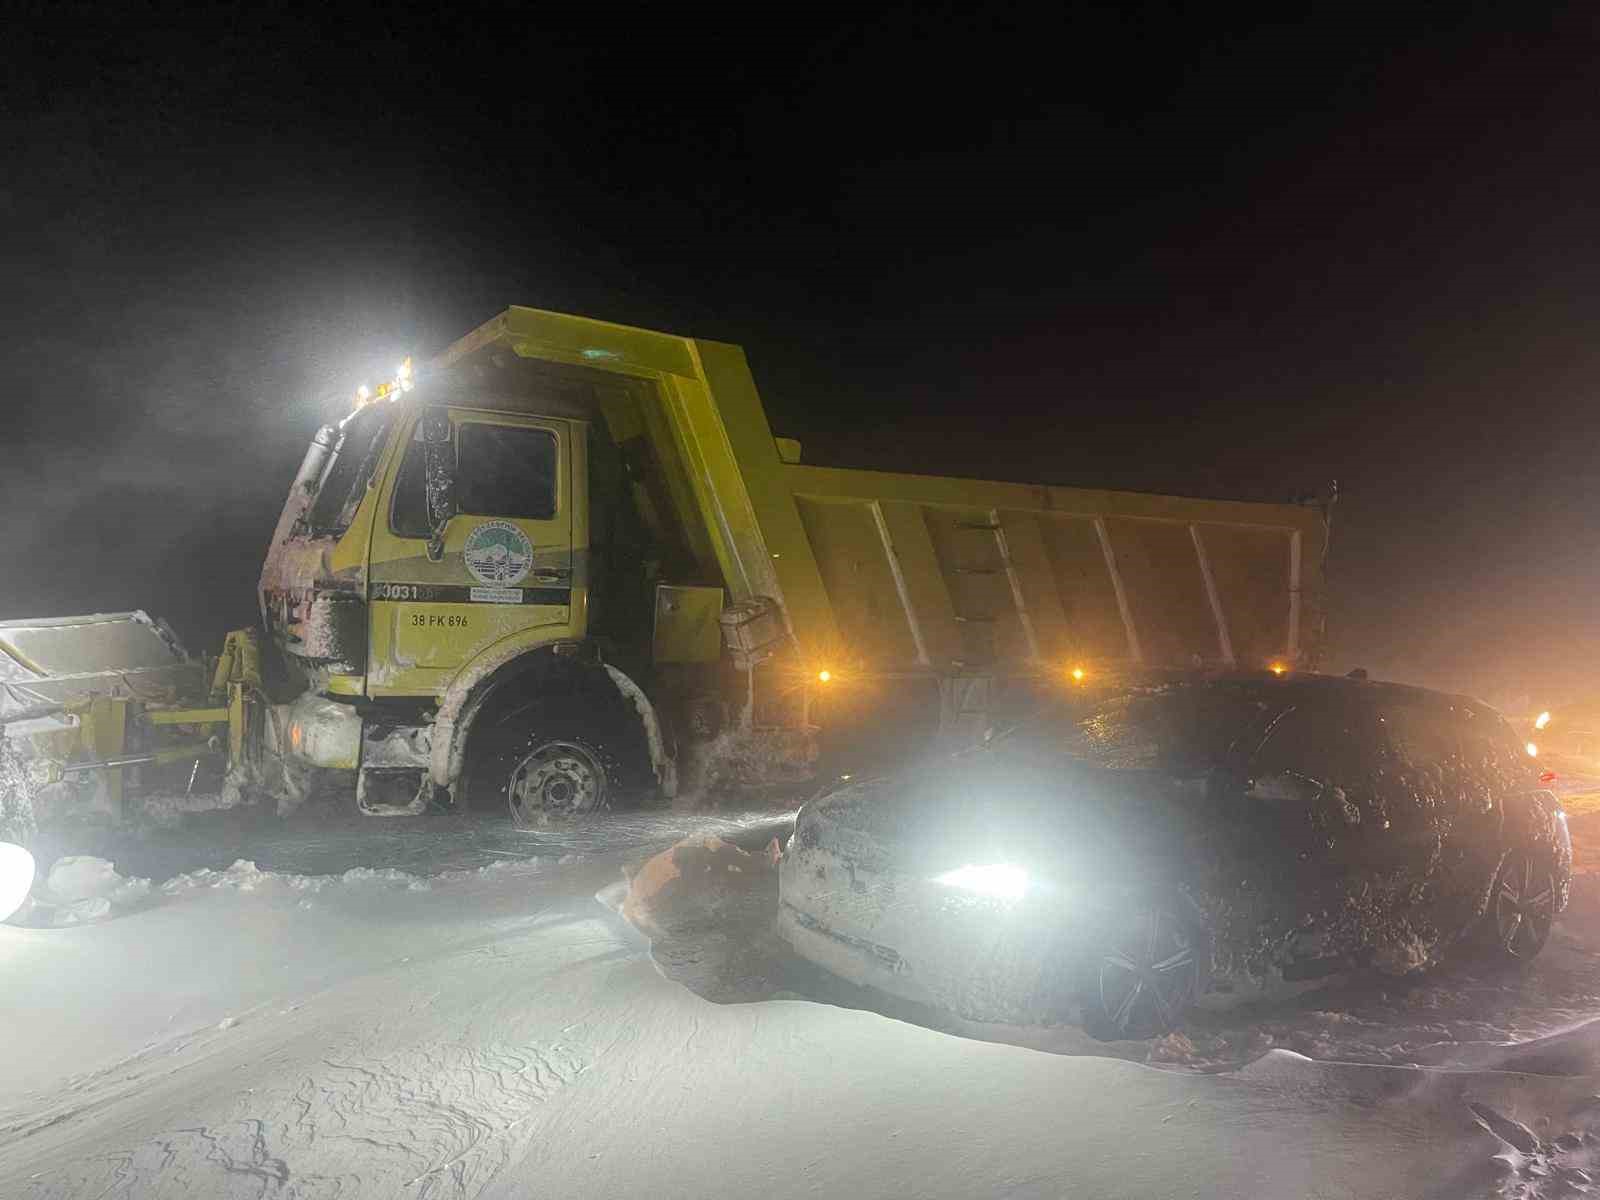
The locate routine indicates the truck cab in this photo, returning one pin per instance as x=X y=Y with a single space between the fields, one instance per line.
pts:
x=473 y=541
x=439 y=590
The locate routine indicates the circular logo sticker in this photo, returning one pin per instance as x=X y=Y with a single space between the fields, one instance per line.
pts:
x=499 y=553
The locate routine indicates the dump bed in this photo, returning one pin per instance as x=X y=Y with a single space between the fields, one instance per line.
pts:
x=889 y=572
x=934 y=572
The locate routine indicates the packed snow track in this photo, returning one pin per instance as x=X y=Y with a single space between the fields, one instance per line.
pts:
x=449 y=1008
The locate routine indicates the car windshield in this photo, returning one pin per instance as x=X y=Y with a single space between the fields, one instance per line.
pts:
x=1312 y=732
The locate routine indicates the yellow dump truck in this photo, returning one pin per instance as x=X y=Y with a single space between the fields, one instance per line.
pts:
x=566 y=562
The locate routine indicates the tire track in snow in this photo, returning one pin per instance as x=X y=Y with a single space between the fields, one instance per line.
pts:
x=434 y=1122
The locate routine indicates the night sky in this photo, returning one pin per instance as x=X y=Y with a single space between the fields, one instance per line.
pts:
x=1140 y=247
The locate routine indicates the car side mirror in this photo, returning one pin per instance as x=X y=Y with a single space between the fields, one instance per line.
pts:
x=439 y=460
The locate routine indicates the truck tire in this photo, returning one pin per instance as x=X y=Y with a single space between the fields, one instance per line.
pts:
x=559 y=773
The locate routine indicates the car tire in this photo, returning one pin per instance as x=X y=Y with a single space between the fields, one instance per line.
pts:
x=1144 y=974
x=557 y=774
x=1522 y=907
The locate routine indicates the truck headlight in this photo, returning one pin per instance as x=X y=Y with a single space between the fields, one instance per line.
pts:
x=1003 y=881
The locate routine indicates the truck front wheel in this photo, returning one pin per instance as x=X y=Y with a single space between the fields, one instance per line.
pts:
x=559 y=775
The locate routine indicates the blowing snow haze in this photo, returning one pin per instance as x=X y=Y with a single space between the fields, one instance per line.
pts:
x=1132 y=249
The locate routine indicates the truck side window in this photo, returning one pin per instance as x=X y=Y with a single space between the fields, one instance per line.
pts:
x=501 y=471
x=505 y=471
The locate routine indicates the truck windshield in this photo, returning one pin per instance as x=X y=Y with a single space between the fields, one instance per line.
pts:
x=360 y=446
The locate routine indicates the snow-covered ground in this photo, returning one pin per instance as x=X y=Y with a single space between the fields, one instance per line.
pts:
x=448 y=1008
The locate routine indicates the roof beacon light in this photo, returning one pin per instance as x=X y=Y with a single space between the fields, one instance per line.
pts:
x=404 y=380
x=1278 y=668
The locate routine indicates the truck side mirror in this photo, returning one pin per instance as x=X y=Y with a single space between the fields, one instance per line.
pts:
x=439 y=458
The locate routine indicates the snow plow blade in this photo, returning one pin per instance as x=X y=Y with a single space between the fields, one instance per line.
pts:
x=59 y=662
x=84 y=699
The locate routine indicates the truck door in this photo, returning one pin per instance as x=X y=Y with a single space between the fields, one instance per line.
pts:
x=507 y=561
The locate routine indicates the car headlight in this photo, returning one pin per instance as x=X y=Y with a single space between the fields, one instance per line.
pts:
x=16 y=878
x=1003 y=881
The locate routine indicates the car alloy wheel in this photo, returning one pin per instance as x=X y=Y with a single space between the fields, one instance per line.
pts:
x=555 y=779
x=1523 y=906
x=1147 y=972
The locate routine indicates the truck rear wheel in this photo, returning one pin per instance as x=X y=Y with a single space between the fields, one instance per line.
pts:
x=559 y=775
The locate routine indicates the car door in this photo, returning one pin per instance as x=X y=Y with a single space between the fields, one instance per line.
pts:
x=1419 y=788
x=506 y=566
x=1306 y=801
x=1492 y=774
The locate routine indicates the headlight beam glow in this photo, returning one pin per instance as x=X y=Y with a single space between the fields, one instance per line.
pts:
x=1003 y=881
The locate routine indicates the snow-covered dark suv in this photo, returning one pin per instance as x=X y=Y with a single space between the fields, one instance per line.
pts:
x=1117 y=861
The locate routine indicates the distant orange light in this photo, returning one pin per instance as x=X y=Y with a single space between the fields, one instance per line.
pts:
x=1078 y=674
x=824 y=676
x=1278 y=668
